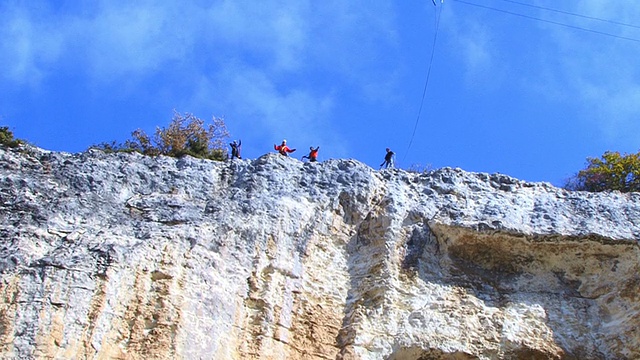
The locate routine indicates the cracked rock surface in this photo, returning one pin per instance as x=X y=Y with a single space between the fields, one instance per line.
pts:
x=122 y=256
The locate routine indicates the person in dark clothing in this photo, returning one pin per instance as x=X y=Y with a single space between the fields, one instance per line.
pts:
x=235 y=149
x=283 y=149
x=388 y=159
x=313 y=154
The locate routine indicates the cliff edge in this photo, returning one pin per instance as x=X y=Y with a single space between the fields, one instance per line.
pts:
x=121 y=256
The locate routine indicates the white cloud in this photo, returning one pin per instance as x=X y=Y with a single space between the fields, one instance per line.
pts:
x=472 y=41
x=582 y=69
x=253 y=57
x=277 y=31
x=111 y=40
x=28 y=47
x=349 y=37
x=600 y=72
x=614 y=108
x=295 y=114
x=261 y=113
x=476 y=51
x=271 y=50
x=132 y=38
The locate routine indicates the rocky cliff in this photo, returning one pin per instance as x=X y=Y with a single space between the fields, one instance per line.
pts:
x=120 y=256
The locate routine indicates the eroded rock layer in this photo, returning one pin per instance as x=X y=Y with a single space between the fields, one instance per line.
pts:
x=120 y=256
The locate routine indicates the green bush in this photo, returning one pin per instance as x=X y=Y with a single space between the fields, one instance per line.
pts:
x=7 y=139
x=612 y=171
x=185 y=135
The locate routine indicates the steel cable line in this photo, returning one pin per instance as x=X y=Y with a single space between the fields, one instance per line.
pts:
x=573 y=14
x=549 y=21
x=426 y=82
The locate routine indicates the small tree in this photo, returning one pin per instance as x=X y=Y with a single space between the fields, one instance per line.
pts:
x=185 y=135
x=7 y=139
x=188 y=135
x=141 y=143
x=612 y=171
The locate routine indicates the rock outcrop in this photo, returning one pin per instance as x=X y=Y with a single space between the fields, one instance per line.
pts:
x=121 y=256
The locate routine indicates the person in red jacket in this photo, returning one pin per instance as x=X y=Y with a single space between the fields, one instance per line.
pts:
x=313 y=154
x=283 y=149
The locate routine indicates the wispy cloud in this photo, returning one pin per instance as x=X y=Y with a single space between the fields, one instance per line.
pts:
x=270 y=62
x=28 y=47
x=274 y=33
x=278 y=82
x=264 y=113
x=472 y=41
x=599 y=73
x=123 y=37
x=132 y=39
x=602 y=71
x=114 y=40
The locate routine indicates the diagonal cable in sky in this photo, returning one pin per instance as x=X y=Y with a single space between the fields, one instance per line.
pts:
x=572 y=14
x=426 y=83
x=549 y=21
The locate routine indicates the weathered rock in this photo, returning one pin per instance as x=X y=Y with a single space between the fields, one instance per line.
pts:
x=132 y=257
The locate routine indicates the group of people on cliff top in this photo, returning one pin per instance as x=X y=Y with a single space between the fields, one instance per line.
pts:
x=285 y=150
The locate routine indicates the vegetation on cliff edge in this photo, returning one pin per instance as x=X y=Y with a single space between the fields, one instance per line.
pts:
x=185 y=135
x=7 y=139
x=612 y=171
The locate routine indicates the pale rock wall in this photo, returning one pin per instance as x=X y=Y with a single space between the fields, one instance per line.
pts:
x=120 y=256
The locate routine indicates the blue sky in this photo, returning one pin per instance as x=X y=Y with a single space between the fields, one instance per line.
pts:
x=506 y=93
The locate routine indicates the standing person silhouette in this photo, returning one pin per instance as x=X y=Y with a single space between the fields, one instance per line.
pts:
x=388 y=159
x=235 y=149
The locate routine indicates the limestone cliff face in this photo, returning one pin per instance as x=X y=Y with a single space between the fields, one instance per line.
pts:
x=120 y=256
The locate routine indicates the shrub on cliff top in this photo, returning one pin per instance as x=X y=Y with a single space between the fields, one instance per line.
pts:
x=185 y=135
x=419 y=168
x=612 y=171
x=7 y=139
